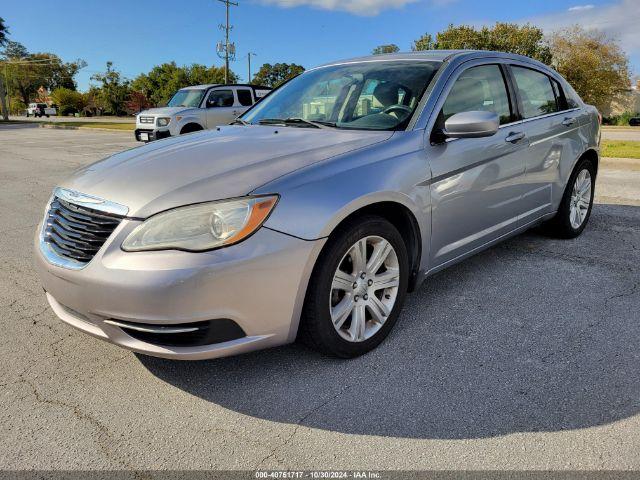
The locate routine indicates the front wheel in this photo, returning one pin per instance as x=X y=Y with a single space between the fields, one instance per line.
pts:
x=357 y=289
x=577 y=201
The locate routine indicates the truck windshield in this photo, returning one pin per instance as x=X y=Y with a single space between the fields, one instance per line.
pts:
x=374 y=95
x=188 y=97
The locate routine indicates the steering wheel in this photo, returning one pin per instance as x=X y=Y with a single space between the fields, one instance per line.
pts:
x=397 y=107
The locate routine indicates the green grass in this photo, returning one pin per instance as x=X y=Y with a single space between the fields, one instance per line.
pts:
x=620 y=149
x=107 y=125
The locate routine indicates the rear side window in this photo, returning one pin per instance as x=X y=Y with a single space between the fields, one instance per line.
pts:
x=536 y=92
x=573 y=101
x=244 y=97
x=220 y=98
x=479 y=88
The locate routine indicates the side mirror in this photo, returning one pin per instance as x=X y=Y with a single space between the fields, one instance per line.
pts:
x=473 y=124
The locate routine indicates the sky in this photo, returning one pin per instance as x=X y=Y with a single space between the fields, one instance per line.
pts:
x=136 y=35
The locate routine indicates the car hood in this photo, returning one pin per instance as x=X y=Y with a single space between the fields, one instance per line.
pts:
x=166 y=111
x=211 y=165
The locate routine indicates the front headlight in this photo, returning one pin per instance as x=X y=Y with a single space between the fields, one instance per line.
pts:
x=202 y=226
x=163 y=121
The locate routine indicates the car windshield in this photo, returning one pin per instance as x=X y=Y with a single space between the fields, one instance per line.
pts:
x=374 y=95
x=188 y=97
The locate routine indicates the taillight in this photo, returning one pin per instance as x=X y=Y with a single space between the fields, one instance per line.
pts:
x=599 y=118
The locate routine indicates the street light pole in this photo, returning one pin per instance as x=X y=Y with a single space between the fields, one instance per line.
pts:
x=249 y=63
x=226 y=28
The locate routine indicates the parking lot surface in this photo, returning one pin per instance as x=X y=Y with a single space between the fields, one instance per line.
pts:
x=522 y=357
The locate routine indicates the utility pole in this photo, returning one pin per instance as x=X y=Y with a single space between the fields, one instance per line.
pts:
x=249 y=63
x=228 y=49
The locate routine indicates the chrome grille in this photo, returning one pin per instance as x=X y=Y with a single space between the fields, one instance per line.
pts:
x=77 y=232
x=146 y=120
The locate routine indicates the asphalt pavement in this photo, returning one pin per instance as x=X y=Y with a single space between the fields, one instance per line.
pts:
x=523 y=357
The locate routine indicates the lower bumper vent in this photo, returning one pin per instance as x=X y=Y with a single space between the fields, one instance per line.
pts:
x=193 y=334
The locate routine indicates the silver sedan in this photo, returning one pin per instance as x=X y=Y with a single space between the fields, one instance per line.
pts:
x=315 y=213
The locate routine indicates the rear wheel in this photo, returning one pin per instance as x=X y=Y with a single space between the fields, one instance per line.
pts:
x=576 y=204
x=357 y=289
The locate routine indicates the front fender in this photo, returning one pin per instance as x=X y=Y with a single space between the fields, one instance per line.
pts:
x=178 y=125
x=314 y=200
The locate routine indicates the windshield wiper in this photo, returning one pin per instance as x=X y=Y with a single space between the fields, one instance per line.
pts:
x=296 y=122
x=239 y=121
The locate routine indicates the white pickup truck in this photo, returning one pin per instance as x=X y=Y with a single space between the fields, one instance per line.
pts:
x=40 y=110
x=197 y=108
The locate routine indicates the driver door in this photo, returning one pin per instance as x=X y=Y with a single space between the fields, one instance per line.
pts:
x=477 y=183
x=220 y=107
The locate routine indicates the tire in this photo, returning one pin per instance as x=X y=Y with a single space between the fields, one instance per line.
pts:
x=355 y=295
x=563 y=225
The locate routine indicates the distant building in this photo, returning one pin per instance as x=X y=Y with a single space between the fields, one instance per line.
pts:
x=43 y=96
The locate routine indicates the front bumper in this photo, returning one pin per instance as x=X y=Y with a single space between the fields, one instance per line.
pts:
x=259 y=284
x=151 y=133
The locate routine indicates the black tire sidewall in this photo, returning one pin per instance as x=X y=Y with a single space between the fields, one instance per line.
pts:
x=317 y=313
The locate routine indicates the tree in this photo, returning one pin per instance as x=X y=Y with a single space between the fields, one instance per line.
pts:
x=4 y=31
x=594 y=65
x=94 y=103
x=164 y=80
x=68 y=101
x=114 y=90
x=380 y=49
x=273 y=75
x=137 y=102
x=503 y=37
x=27 y=72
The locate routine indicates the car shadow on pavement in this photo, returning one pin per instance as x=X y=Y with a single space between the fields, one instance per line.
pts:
x=535 y=334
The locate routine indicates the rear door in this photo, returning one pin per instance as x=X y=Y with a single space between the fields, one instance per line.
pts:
x=477 y=186
x=553 y=130
x=244 y=99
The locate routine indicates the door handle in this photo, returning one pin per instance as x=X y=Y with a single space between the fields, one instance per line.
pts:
x=514 y=137
x=568 y=121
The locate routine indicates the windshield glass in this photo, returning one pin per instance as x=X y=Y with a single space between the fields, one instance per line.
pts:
x=378 y=95
x=188 y=97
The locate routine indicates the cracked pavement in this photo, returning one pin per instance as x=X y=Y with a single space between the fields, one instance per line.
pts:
x=522 y=357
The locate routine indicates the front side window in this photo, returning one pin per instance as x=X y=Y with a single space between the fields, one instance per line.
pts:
x=379 y=95
x=479 y=88
x=220 y=98
x=536 y=92
x=244 y=97
x=188 y=97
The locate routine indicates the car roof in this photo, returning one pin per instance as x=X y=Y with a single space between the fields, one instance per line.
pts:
x=209 y=85
x=436 y=56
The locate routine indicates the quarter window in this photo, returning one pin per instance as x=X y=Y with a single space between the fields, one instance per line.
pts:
x=220 y=98
x=536 y=92
x=479 y=88
x=244 y=97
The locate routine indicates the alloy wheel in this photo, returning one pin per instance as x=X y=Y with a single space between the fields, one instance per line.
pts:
x=580 y=199
x=364 y=288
